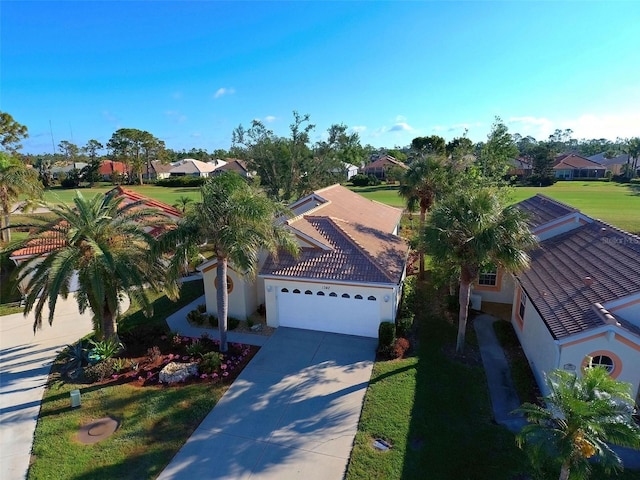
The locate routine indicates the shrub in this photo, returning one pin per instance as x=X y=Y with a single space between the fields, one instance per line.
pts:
x=404 y=325
x=186 y=181
x=196 y=316
x=249 y=322
x=386 y=335
x=213 y=320
x=373 y=181
x=153 y=353
x=232 y=323
x=400 y=347
x=262 y=310
x=202 y=308
x=76 y=357
x=100 y=371
x=195 y=349
x=120 y=364
x=210 y=362
x=103 y=350
x=360 y=180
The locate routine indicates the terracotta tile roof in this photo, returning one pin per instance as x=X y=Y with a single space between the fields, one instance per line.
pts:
x=576 y=161
x=130 y=196
x=108 y=167
x=541 y=210
x=354 y=237
x=594 y=263
x=41 y=246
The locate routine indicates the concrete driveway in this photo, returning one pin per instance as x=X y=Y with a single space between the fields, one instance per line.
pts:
x=292 y=413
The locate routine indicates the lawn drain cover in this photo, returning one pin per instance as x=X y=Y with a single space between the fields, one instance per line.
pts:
x=97 y=430
x=382 y=445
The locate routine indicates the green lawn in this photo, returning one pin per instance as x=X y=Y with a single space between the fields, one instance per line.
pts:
x=168 y=195
x=155 y=421
x=617 y=204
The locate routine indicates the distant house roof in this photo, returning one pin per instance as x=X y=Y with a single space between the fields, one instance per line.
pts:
x=607 y=162
x=108 y=167
x=573 y=161
x=159 y=167
x=571 y=272
x=189 y=166
x=68 y=168
x=349 y=238
x=235 y=165
x=386 y=161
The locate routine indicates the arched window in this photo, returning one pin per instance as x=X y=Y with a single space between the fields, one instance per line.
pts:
x=308 y=292
x=229 y=284
x=333 y=294
x=358 y=297
x=296 y=291
x=285 y=290
x=372 y=298
x=320 y=293
x=345 y=295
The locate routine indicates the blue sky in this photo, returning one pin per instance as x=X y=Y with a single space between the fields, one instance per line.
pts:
x=190 y=72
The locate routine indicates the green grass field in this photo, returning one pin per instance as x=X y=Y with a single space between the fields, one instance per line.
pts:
x=168 y=195
x=614 y=203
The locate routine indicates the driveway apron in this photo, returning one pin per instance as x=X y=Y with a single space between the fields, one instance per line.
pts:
x=292 y=413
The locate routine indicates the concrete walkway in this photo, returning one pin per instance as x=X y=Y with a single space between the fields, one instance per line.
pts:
x=292 y=413
x=25 y=362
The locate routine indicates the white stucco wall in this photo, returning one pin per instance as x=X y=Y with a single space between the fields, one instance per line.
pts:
x=242 y=299
x=613 y=343
x=502 y=295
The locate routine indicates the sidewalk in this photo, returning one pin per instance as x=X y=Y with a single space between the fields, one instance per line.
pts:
x=25 y=362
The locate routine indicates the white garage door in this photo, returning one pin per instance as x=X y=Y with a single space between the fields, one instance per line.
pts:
x=352 y=314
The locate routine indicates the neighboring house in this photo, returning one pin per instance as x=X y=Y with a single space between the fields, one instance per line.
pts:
x=574 y=167
x=234 y=165
x=614 y=164
x=350 y=170
x=156 y=170
x=64 y=170
x=109 y=167
x=347 y=279
x=379 y=167
x=580 y=297
x=42 y=248
x=194 y=168
x=520 y=168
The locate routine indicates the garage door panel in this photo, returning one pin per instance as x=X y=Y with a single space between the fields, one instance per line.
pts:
x=331 y=314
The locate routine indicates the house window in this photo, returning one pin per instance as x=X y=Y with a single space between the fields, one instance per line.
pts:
x=358 y=297
x=285 y=290
x=345 y=295
x=320 y=293
x=308 y=292
x=372 y=298
x=296 y=291
x=523 y=305
x=229 y=284
x=603 y=361
x=488 y=278
x=333 y=294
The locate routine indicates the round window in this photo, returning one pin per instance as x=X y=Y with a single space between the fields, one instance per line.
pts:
x=603 y=361
x=229 y=284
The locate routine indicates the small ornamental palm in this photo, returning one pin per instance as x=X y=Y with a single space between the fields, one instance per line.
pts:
x=581 y=417
x=106 y=245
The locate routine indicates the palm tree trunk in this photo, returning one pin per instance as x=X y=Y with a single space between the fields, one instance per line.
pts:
x=564 y=471
x=109 y=326
x=223 y=301
x=6 y=234
x=463 y=297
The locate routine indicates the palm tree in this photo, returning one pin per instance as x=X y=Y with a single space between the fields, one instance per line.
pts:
x=473 y=230
x=580 y=417
x=183 y=202
x=425 y=180
x=236 y=222
x=106 y=245
x=15 y=180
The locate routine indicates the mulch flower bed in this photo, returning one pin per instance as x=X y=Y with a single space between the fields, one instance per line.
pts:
x=147 y=353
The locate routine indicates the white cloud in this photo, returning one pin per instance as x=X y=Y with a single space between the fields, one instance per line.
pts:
x=358 y=128
x=223 y=91
x=401 y=127
x=608 y=126
x=400 y=119
x=269 y=119
x=196 y=135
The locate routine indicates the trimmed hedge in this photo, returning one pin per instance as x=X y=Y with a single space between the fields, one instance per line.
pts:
x=186 y=181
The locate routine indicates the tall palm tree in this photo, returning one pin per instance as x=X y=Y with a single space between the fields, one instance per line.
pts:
x=104 y=243
x=183 y=202
x=237 y=222
x=426 y=180
x=15 y=180
x=580 y=417
x=473 y=229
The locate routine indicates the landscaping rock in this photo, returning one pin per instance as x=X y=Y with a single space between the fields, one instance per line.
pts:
x=257 y=327
x=178 y=372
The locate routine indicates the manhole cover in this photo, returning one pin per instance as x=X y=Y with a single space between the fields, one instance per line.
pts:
x=97 y=430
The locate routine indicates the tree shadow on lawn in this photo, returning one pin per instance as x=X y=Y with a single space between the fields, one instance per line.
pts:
x=452 y=434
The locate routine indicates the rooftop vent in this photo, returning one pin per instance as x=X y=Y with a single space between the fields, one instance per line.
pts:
x=588 y=281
